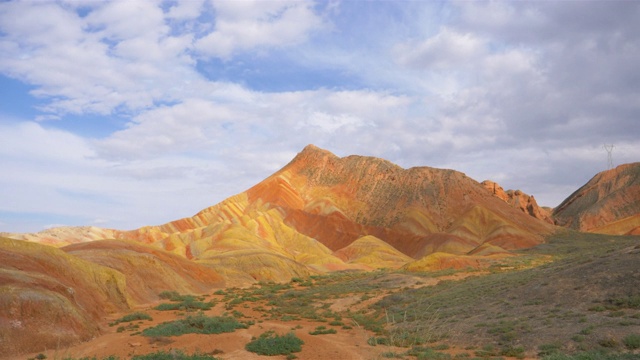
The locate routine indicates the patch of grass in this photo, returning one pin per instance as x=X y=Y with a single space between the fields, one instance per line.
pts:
x=270 y=344
x=186 y=304
x=132 y=317
x=548 y=349
x=427 y=353
x=111 y=357
x=322 y=330
x=593 y=355
x=198 y=324
x=173 y=355
x=632 y=341
x=369 y=322
x=624 y=302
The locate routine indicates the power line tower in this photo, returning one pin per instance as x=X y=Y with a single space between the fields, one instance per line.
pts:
x=609 y=148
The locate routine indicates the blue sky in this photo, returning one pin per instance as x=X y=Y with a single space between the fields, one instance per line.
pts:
x=129 y=113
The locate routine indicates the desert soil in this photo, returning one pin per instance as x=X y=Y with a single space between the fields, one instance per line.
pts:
x=346 y=344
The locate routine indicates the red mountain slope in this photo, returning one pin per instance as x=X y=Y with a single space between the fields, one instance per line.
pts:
x=609 y=203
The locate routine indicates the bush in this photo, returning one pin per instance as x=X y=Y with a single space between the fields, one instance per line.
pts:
x=173 y=355
x=132 y=317
x=199 y=324
x=271 y=344
x=322 y=330
x=632 y=341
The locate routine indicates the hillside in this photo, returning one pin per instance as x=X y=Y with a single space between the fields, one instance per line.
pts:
x=51 y=298
x=296 y=221
x=609 y=203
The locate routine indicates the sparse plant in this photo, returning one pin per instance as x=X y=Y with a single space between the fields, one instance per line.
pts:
x=198 y=324
x=132 y=317
x=322 y=330
x=173 y=355
x=632 y=341
x=270 y=343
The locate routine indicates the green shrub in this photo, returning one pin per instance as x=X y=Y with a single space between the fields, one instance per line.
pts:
x=170 y=295
x=271 y=344
x=632 y=341
x=594 y=355
x=173 y=355
x=132 y=317
x=186 y=304
x=322 y=330
x=198 y=324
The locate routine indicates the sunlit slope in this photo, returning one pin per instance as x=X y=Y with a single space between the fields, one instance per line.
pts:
x=148 y=270
x=50 y=299
x=609 y=203
x=373 y=253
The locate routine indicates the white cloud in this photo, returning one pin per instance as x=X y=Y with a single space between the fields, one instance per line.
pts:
x=447 y=49
x=184 y=10
x=246 y=25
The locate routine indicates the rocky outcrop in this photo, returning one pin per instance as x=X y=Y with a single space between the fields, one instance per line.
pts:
x=519 y=200
x=609 y=203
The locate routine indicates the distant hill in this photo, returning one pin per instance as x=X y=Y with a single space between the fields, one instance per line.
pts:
x=609 y=203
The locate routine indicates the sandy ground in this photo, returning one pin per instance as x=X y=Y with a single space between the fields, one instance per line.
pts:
x=347 y=344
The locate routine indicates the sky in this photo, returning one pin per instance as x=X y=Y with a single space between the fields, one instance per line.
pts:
x=130 y=113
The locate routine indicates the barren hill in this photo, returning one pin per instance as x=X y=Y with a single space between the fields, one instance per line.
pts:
x=298 y=220
x=609 y=203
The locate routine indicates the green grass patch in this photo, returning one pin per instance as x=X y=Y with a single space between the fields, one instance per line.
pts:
x=632 y=341
x=593 y=355
x=198 y=324
x=173 y=355
x=323 y=330
x=187 y=304
x=270 y=344
x=131 y=317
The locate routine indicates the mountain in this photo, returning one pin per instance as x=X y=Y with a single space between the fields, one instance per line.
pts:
x=302 y=219
x=319 y=213
x=609 y=203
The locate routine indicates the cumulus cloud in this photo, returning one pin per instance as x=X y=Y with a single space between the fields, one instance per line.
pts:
x=245 y=25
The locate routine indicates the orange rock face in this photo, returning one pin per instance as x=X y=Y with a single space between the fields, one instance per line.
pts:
x=519 y=200
x=609 y=203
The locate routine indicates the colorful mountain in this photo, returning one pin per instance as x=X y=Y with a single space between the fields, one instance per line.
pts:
x=609 y=203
